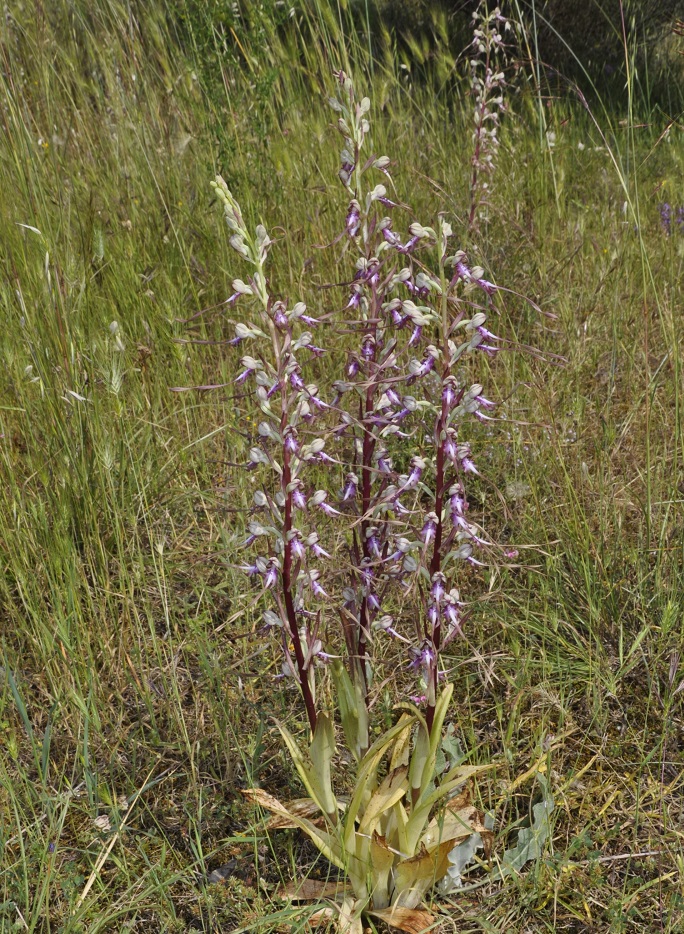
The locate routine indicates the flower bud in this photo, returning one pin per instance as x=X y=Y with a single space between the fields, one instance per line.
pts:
x=242 y=287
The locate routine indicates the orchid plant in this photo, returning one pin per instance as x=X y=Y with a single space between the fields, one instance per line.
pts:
x=414 y=312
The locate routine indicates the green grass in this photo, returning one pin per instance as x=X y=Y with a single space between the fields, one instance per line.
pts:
x=124 y=671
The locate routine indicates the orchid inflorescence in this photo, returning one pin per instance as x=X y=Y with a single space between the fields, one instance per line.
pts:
x=284 y=532
x=413 y=329
x=411 y=307
x=394 y=423
x=488 y=81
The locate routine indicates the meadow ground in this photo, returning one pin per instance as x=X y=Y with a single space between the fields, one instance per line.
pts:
x=132 y=706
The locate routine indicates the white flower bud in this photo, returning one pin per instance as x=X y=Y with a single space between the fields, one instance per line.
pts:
x=242 y=287
x=238 y=244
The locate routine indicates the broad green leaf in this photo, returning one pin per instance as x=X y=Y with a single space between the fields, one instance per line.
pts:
x=402 y=745
x=322 y=751
x=420 y=814
x=366 y=779
x=318 y=792
x=353 y=711
x=441 y=709
x=419 y=757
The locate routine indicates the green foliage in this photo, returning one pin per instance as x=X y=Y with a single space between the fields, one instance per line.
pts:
x=393 y=836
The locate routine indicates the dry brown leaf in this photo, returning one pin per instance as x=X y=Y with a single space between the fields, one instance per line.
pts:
x=461 y=800
x=310 y=890
x=321 y=917
x=411 y=920
x=301 y=807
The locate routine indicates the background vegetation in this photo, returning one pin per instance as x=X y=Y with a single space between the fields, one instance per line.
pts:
x=132 y=706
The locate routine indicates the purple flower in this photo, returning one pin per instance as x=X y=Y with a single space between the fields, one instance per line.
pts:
x=416 y=335
x=353 y=367
x=423 y=657
x=666 y=218
x=427 y=533
x=319 y=499
x=316 y=588
x=353 y=216
x=298 y=498
x=296 y=381
x=291 y=442
x=271 y=575
x=312 y=542
x=451 y=448
x=351 y=487
x=355 y=299
x=419 y=370
x=279 y=317
x=467 y=463
x=486 y=334
x=451 y=610
x=373 y=542
x=390 y=236
x=373 y=601
x=409 y=246
x=296 y=545
x=366 y=572
x=386 y=624
x=384 y=462
x=437 y=590
x=449 y=392
x=417 y=468
x=485 y=403
x=368 y=347
x=244 y=376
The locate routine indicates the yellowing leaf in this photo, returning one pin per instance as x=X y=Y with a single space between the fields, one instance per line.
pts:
x=381 y=862
x=391 y=789
x=401 y=748
x=413 y=877
x=410 y=920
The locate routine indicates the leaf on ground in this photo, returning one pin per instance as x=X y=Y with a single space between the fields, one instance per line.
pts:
x=321 y=917
x=410 y=920
x=310 y=890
